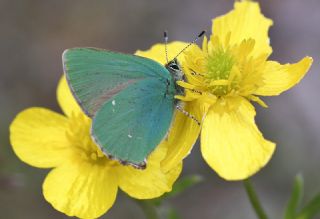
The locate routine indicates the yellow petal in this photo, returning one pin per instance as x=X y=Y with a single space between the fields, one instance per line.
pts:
x=66 y=100
x=157 y=52
x=38 y=137
x=182 y=135
x=151 y=182
x=257 y=100
x=82 y=189
x=230 y=141
x=244 y=22
x=277 y=78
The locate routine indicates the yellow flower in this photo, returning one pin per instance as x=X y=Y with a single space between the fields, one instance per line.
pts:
x=230 y=70
x=84 y=182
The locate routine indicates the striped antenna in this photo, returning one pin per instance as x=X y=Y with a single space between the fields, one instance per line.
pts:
x=165 y=35
x=192 y=42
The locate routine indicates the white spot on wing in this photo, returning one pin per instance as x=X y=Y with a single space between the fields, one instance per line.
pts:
x=130 y=136
x=113 y=103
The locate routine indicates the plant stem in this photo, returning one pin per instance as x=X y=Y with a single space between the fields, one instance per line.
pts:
x=254 y=200
x=148 y=209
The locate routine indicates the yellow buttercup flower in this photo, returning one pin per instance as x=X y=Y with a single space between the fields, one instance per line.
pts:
x=84 y=182
x=230 y=70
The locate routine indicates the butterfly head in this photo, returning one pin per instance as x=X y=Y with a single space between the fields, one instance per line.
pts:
x=174 y=66
x=177 y=74
x=175 y=69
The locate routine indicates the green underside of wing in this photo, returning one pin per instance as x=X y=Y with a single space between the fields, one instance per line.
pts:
x=95 y=75
x=127 y=96
x=134 y=122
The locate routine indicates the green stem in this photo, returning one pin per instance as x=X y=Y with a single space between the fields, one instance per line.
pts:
x=148 y=209
x=254 y=199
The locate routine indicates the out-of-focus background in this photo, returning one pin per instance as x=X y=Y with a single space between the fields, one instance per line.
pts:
x=34 y=33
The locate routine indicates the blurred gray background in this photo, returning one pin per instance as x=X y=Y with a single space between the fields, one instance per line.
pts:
x=34 y=33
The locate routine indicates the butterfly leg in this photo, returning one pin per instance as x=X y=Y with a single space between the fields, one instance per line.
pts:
x=194 y=73
x=180 y=108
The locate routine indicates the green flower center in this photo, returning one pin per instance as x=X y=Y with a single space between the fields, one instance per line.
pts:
x=219 y=67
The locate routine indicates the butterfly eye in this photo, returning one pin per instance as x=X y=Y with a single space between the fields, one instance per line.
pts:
x=175 y=67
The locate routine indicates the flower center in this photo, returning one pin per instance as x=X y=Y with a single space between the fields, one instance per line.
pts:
x=78 y=135
x=219 y=67
x=222 y=69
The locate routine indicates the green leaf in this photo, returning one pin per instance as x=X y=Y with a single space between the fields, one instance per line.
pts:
x=172 y=214
x=180 y=186
x=296 y=196
x=254 y=200
x=183 y=184
x=149 y=210
x=311 y=209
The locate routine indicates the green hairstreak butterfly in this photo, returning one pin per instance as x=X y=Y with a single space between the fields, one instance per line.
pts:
x=130 y=99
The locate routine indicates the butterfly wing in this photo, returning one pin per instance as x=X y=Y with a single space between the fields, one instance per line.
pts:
x=95 y=75
x=129 y=98
x=131 y=124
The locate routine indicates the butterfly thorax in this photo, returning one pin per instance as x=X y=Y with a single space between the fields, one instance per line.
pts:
x=177 y=74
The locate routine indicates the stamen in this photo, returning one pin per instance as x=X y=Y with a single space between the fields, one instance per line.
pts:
x=219 y=82
x=189 y=87
x=186 y=85
x=186 y=98
x=258 y=101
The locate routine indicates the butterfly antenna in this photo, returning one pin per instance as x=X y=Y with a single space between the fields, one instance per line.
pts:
x=165 y=36
x=186 y=113
x=192 y=42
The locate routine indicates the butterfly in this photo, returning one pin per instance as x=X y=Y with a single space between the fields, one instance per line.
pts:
x=129 y=98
